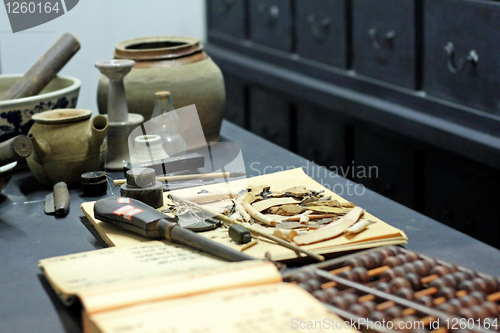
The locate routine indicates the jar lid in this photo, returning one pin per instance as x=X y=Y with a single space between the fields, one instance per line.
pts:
x=93 y=177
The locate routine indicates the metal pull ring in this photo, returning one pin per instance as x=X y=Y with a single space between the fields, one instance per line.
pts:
x=387 y=42
x=319 y=28
x=471 y=58
x=271 y=13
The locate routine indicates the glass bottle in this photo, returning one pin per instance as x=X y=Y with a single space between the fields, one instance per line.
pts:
x=166 y=124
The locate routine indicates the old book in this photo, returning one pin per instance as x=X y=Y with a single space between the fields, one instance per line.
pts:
x=378 y=233
x=154 y=287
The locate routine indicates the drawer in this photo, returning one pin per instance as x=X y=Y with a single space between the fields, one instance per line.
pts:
x=227 y=16
x=321 y=30
x=321 y=136
x=384 y=162
x=461 y=59
x=384 y=40
x=271 y=23
x=235 y=101
x=463 y=195
x=270 y=117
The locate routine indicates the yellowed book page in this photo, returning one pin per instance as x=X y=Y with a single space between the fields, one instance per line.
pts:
x=376 y=232
x=121 y=276
x=270 y=308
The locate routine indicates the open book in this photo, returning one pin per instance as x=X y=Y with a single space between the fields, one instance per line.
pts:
x=154 y=287
x=377 y=234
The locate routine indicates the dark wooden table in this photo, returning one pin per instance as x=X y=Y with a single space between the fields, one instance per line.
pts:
x=27 y=304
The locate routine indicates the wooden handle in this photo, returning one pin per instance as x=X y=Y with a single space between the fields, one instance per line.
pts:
x=15 y=149
x=45 y=69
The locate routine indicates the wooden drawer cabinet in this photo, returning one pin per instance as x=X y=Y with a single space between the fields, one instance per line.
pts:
x=462 y=54
x=321 y=30
x=388 y=163
x=235 y=101
x=227 y=16
x=463 y=195
x=321 y=136
x=271 y=23
x=384 y=40
x=270 y=117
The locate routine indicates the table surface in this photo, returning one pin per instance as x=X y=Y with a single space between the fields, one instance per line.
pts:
x=27 y=303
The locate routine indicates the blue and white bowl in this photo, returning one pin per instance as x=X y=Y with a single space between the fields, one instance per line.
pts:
x=15 y=115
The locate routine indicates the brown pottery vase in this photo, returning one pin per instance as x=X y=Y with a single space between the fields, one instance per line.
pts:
x=175 y=64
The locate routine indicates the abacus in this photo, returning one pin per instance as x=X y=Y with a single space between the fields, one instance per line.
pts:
x=395 y=286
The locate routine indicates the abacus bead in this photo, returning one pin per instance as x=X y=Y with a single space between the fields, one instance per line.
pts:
x=492 y=308
x=421 y=268
x=469 y=273
x=385 y=253
x=399 y=271
x=425 y=300
x=391 y=262
x=321 y=295
x=350 y=298
x=393 y=312
x=388 y=274
x=405 y=293
x=412 y=256
x=331 y=292
x=314 y=284
x=414 y=281
x=448 y=308
x=409 y=268
x=299 y=276
x=377 y=316
x=399 y=283
x=450 y=266
x=305 y=286
x=358 y=310
x=384 y=286
x=395 y=249
x=370 y=306
x=430 y=263
x=446 y=292
x=437 y=283
x=479 y=284
x=467 y=286
x=459 y=276
x=455 y=302
x=353 y=262
x=439 y=270
x=377 y=258
x=467 y=301
x=478 y=295
x=310 y=273
x=360 y=274
x=402 y=257
x=346 y=275
x=467 y=313
x=491 y=283
x=479 y=311
x=367 y=262
x=450 y=280
x=339 y=302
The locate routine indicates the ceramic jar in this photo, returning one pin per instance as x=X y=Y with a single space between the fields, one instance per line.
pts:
x=66 y=144
x=175 y=64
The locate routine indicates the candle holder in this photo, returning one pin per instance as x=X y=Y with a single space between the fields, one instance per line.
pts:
x=121 y=123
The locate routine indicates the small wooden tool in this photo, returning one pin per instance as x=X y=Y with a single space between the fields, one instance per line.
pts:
x=15 y=149
x=45 y=69
x=57 y=203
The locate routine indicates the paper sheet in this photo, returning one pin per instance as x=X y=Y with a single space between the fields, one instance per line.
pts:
x=377 y=234
x=269 y=308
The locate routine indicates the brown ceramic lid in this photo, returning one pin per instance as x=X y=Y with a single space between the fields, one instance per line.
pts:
x=157 y=48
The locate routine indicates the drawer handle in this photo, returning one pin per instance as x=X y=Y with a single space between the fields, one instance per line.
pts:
x=387 y=42
x=472 y=58
x=271 y=13
x=319 y=28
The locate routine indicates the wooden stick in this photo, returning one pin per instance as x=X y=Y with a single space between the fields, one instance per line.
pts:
x=258 y=215
x=45 y=69
x=311 y=217
x=15 y=149
x=118 y=182
x=249 y=245
x=253 y=230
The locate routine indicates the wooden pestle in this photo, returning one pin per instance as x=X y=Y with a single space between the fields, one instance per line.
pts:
x=45 y=69
x=15 y=149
